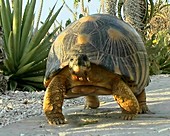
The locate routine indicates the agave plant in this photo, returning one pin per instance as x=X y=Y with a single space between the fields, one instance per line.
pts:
x=26 y=49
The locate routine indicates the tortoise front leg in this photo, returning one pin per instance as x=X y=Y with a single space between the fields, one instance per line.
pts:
x=126 y=99
x=53 y=101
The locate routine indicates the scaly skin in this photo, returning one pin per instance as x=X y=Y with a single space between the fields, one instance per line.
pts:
x=53 y=101
x=141 y=97
x=127 y=100
x=142 y=103
x=54 y=96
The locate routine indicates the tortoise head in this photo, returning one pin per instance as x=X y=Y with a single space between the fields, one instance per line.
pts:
x=79 y=64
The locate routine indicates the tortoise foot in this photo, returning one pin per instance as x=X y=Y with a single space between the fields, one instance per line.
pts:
x=86 y=106
x=128 y=116
x=56 y=120
x=144 y=110
x=92 y=102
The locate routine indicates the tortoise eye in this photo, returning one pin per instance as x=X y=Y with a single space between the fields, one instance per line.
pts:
x=85 y=58
x=71 y=59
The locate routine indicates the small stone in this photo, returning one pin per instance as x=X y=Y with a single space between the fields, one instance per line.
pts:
x=9 y=106
x=25 y=102
x=1 y=101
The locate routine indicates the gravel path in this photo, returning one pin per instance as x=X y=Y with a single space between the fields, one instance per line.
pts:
x=18 y=105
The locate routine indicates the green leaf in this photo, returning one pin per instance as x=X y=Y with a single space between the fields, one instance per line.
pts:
x=5 y=18
x=29 y=88
x=8 y=9
x=68 y=22
x=50 y=14
x=41 y=33
x=17 y=28
x=23 y=69
x=37 y=39
x=27 y=24
x=28 y=56
x=35 y=73
x=10 y=55
x=34 y=79
x=40 y=53
x=13 y=85
x=36 y=68
x=36 y=85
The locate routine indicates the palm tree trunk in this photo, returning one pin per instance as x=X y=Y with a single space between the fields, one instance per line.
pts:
x=3 y=80
x=135 y=13
x=111 y=7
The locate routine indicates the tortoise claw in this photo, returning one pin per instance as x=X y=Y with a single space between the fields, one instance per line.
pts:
x=144 y=110
x=86 y=106
x=128 y=116
x=56 y=120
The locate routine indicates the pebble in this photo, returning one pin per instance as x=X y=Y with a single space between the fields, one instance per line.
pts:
x=19 y=105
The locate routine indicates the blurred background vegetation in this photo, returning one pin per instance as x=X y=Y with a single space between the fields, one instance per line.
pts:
x=25 y=40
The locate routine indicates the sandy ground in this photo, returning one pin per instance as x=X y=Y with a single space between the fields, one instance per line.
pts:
x=105 y=120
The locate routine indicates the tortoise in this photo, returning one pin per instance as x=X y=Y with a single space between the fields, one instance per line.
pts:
x=97 y=55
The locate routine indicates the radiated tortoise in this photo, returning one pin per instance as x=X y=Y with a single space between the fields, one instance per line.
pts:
x=97 y=55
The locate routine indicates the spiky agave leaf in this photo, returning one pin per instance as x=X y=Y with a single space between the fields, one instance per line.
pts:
x=25 y=48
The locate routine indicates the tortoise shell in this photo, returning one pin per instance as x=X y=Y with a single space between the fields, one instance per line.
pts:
x=108 y=42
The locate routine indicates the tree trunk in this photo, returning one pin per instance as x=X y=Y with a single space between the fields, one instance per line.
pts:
x=135 y=13
x=111 y=7
x=3 y=80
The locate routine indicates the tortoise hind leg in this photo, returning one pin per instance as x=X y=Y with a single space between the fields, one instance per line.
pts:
x=92 y=102
x=143 y=108
x=126 y=99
